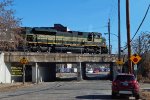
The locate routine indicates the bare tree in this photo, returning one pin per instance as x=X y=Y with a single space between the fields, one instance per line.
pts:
x=142 y=43
x=141 y=46
x=9 y=26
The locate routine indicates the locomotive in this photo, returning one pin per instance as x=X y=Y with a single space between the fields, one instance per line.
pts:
x=60 y=39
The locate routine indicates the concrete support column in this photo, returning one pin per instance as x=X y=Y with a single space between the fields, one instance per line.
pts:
x=35 y=73
x=79 y=72
x=83 y=68
x=112 y=71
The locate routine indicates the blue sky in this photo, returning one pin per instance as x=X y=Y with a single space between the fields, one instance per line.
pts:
x=84 y=15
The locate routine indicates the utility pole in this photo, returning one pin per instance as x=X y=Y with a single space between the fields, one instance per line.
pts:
x=23 y=73
x=109 y=35
x=119 y=42
x=139 y=45
x=128 y=35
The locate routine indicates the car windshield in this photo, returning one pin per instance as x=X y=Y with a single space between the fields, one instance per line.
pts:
x=125 y=78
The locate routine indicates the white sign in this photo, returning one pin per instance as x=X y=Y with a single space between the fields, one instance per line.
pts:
x=135 y=67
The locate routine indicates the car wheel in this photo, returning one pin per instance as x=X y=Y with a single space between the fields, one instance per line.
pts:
x=114 y=95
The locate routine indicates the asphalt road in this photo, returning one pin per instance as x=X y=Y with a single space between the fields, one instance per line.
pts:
x=73 y=90
x=98 y=76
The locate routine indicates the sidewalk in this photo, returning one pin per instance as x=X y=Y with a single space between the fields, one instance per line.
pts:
x=13 y=86
x=145 y=91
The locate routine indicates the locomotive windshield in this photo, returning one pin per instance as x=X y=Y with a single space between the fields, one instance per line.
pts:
x=30 y=38
x=89 y=37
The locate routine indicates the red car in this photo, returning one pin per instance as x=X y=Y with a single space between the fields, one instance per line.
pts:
x=125 y=84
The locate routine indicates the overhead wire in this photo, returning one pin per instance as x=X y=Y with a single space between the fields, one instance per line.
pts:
x=141 y=23
x=112 y=14
x=125 y=47
x=113 y=11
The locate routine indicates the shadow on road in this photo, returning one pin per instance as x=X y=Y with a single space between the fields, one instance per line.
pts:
x=94 y=97
x=97 y=78
x=105 y=97
x=67 y=79
x=75 y=79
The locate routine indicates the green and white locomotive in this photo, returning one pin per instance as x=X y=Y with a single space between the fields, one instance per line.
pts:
x=59 y=39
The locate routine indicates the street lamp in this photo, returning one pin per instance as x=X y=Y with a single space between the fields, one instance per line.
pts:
x=112 y=34
x=119 y=45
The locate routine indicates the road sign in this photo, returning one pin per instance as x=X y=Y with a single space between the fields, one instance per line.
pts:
x=135 y=58
x=135 y=67
x=119 y=62
x=23 y=60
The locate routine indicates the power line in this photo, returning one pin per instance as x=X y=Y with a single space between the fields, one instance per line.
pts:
x=141 y=23
x=139 y=26
x=112 y=11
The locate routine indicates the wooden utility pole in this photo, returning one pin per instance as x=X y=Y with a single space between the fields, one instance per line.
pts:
x=23 y=73
x=128 y=35
x=119 y=42
x=119 y=37
x=139 y=45
x=109 y=35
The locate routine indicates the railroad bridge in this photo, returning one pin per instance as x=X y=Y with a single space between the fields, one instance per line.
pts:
x=43 y=65
x=58 y=57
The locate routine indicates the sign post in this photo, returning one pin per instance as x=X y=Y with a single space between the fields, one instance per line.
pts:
x=135 y=59
x=120 y=63
x=135 y=70
x=23 y=61
x=24 y=73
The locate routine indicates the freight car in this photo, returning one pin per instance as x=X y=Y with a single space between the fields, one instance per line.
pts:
x=59 y=39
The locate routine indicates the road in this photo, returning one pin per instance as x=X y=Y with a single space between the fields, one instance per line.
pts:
x=71 y=90
x=98 y=76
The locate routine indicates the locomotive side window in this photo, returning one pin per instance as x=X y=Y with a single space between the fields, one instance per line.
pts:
x=90 y=37
x=29 y=37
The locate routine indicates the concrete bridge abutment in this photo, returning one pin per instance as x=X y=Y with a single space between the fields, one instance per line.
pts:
x=41 y=67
